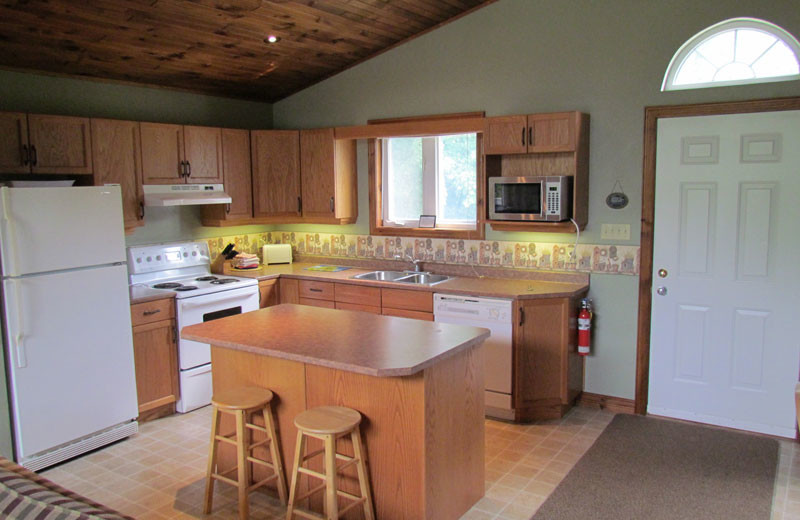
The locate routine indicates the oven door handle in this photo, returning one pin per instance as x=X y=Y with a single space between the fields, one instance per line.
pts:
x=192 y=305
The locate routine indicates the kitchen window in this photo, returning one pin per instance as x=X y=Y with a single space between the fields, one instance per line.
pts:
x=430 y=176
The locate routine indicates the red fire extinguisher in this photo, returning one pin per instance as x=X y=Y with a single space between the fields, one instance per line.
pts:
x=584 y=326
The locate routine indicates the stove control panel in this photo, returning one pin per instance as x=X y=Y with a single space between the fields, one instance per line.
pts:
x=163 y=257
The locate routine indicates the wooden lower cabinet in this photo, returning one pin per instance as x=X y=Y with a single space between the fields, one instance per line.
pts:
x=288 y=290
x=155 y=353
x=548 y=372
x=358 y=307
x=268 y=293
x=407 y=304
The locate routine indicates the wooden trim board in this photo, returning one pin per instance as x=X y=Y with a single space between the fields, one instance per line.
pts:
x=606 y=402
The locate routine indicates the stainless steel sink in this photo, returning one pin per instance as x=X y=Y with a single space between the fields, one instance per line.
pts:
x=381 y=276
x=424 y=278
x=403 y=277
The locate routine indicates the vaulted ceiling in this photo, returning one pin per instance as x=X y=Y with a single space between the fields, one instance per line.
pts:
x=214 y=47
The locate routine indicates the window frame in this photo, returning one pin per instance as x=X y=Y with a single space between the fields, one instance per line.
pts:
x=425 y=127
x=432 y=184
x=711 y=32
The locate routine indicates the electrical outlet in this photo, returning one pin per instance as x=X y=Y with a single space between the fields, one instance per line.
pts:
x=615 y=232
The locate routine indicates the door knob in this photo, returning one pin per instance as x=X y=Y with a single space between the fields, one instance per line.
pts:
x=662 y=291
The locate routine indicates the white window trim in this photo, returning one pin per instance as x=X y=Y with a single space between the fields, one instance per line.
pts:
x=734 y=23
x=431 y=181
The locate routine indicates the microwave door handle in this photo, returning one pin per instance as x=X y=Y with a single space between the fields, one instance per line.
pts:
x=191 y=305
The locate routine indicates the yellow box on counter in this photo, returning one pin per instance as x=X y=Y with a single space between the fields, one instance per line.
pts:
x=276 y=254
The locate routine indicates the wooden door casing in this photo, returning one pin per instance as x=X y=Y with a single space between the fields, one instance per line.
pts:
x=276 y=173
x=116 y=157
x=60 y=144
x=202 y=149
x=237 y=178
x=162 y=153
x=14 y=142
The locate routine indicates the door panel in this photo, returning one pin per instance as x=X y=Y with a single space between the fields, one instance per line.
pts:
x=117 y=154
x=162 y=153
x=13 y=136
x=722 y=347
x=317 y=172
x=62 y=144
x=276 y=173
x=67 y=370
x=203 y=151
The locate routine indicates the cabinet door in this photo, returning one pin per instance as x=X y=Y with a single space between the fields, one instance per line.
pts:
x=117 y=159
x=268 y=293
x=317 y=174
x=162 y=153
x=13 y=137
x=289 y=291
x=276 y=173
x=552 y=132
x=203 y=153
x=237 y=178
x=60 y=144
x=155 y=355
x=506 y=135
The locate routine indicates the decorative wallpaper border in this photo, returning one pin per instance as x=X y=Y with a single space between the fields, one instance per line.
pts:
x=590 y=258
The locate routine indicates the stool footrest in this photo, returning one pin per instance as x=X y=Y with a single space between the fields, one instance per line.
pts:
x=358 y=502
x=310 y=492
x=308 y=514
x=350 y=496
x=259 y=443
x=224 y=479
x=225 y=438
x=262 y=482
x=256 y=428
x=312 y=473
x=261 y=462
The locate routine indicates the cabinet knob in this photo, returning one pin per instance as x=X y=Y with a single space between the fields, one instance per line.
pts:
x=151 y=312
x=299 y=205
x=25 y=155
x=188 y=169
x=34 y=158
x=530 y=136
x=227 y=208
x=332 y=204
x=141 y=211
x=523 y=136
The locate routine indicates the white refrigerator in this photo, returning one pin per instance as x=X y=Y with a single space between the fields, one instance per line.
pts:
x=67 y=339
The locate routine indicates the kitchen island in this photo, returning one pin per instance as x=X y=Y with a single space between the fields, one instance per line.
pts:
x=418 y=385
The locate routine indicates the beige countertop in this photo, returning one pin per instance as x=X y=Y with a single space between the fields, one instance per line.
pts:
x=360 y=342
x=470 y=286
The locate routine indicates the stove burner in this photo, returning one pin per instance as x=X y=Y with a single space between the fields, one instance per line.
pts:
x=205 y=279
x=167 y=285
x=186 y=288
x=222 y=281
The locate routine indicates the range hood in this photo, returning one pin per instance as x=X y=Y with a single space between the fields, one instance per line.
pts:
x=184 y=194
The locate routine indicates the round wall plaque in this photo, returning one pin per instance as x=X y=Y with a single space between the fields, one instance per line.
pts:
x=617 y=200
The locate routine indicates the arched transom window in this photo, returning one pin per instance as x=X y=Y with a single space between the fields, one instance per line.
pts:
x=734 y=52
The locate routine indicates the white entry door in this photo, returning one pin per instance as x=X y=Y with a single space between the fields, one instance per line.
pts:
x=724 y=346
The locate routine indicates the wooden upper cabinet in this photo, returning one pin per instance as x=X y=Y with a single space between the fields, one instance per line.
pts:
x=117 y=159
x=328 y=176
x=276 y=173
x=237 y=179
x=14 y=143
x=552 y=132
x=202 y=148
x=162 y=153
x=534 y=133
x=59 y=144
x=506 y=134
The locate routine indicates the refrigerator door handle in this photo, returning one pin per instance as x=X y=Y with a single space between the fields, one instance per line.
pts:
x=10 y=245
x=18 y=335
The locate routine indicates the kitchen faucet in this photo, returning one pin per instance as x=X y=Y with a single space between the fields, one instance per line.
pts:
x=417 y=268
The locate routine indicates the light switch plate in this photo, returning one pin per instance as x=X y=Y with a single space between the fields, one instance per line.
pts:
x=615 y=232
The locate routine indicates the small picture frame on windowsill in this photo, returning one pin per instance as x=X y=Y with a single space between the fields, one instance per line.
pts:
x=427 y=221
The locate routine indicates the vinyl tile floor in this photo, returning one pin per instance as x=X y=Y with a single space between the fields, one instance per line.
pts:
x=159 y=472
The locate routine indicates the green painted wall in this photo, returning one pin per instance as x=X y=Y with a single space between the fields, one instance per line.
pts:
x=521 y=56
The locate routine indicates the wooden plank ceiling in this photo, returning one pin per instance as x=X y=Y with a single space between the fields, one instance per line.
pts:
x=212 y=46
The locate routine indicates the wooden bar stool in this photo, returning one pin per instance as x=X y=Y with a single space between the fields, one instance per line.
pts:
x=242 y=403
x=328 y=423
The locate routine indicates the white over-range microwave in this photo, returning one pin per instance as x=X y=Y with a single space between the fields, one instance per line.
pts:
x=531 y=198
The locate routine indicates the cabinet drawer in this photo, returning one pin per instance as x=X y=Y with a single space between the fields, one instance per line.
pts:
x=358 y=307
x=404 y=313
x=149 y=312
x=358 y=294
x=328 y=304
x=316 y=290
x=405 y=299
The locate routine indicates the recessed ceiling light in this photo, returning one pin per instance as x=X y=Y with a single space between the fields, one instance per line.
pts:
x=271 y=38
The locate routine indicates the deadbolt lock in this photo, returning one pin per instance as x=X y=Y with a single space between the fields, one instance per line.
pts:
x=662 y=273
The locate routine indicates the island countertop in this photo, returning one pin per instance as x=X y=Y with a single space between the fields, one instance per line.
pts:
x=360 y=342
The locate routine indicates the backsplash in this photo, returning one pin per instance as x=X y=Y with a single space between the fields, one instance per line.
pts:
x=591 y=258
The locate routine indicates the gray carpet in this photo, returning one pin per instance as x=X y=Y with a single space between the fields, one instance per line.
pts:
x=654 y=469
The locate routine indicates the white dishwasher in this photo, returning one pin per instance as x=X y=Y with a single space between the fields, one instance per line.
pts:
x=494 y=314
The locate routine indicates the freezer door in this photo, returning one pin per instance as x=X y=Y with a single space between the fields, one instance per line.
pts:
x=48 y=229
x=69 y=354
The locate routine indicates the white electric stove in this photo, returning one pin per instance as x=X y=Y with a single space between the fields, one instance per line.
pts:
x=184 y=270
